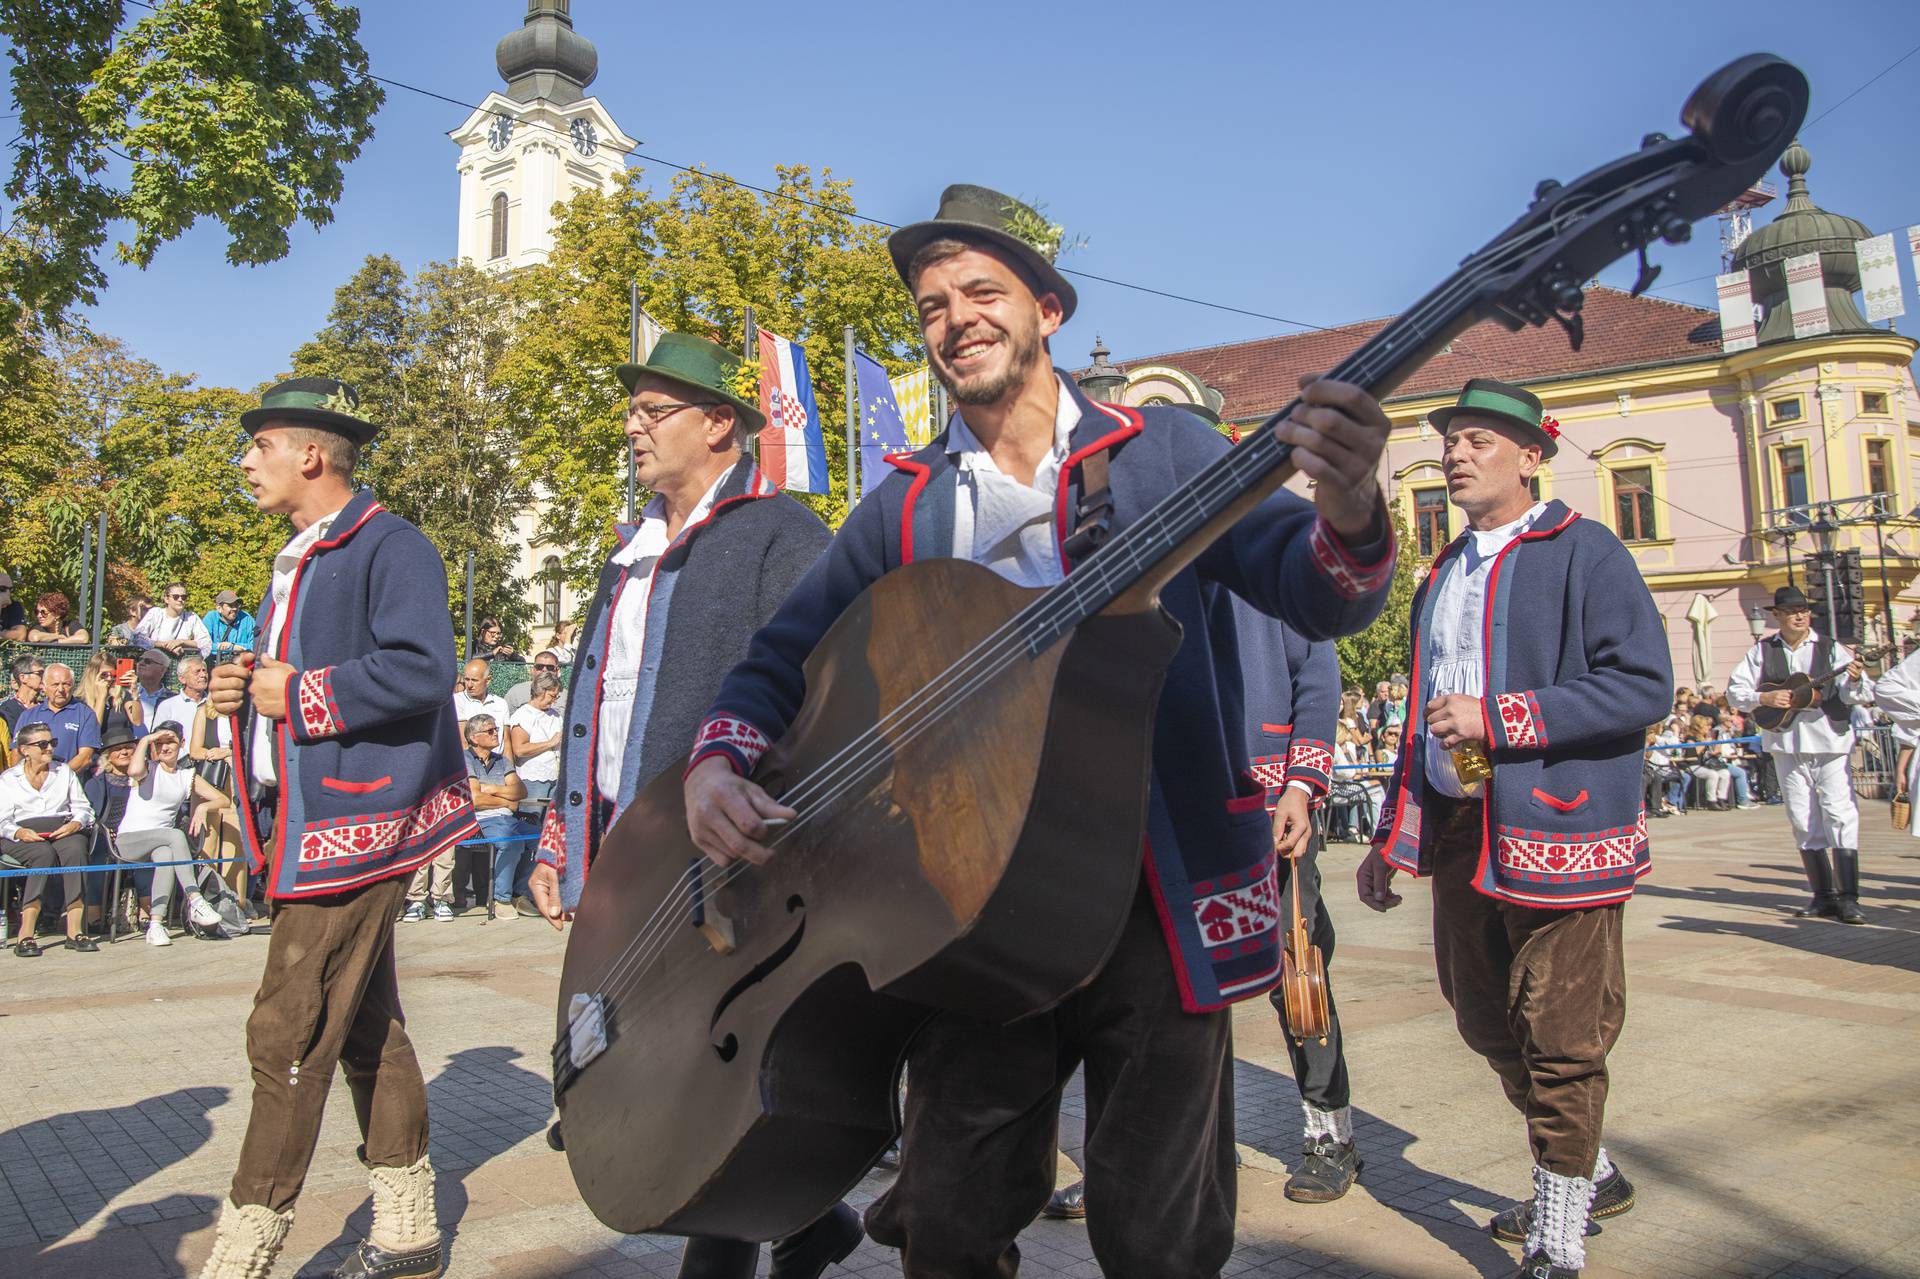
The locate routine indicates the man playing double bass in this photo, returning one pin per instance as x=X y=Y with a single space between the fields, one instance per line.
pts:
x=716 y=550
x=1000 y=487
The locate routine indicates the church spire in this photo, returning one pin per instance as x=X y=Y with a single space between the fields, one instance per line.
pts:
x=546 y=59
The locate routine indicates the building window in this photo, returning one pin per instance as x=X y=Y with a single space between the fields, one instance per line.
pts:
x=500 y=225
x=1788 y=410
x=1793 y=476
x=1873 y=404
x=1633 y=503
x=1879 y=466
x=1430 y=520
x=550 y=590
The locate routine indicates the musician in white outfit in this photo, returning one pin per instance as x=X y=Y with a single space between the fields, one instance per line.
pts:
x=1810 y=754
x=1898 y=694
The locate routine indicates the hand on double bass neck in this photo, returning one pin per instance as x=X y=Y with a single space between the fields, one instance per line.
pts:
x=1338 y=433
x=728 y=816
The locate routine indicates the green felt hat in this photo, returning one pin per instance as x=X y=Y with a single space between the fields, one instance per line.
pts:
x=1504 y=402
x=323 y=402
x=981 y=215
x=702 y=366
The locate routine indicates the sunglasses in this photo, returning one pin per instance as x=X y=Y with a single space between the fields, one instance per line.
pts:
x=178 y=599
x=36 y=742
x=546 y=666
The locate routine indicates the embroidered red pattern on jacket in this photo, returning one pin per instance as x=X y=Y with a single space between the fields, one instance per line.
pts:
x=1239 y=912
x=735 y=740
x=374 y=836
x=1520 y=720
x=1350 y=577
x=1313 y=757
x=552 y=848
x=319 y=713
x=1538 y=855
x=1269 y=770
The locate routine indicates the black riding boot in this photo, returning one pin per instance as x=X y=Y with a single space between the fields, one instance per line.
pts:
x=718 y=1259
x=1820 y=876
x=1846 y=871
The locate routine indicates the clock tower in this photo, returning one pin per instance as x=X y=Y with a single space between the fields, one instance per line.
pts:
x=535 y=145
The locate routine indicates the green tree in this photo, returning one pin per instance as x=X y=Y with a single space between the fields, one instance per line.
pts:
x=1386 y=646
x=703 y=252
x=424 y=355
x=244 y=111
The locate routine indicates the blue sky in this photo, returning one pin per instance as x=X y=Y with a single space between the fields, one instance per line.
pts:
x=1324 y=163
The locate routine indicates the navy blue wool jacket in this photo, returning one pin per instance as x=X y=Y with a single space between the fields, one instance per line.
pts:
x=1208 y=838
x=371 y=778
x=1577 y=668
x=1292 y=701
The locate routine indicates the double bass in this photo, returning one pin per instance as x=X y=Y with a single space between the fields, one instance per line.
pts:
x=970 y=770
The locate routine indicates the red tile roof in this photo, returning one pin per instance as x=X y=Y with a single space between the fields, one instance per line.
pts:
x=1623 y=332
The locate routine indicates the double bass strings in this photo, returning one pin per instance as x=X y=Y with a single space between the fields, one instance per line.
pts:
x=1227 y=477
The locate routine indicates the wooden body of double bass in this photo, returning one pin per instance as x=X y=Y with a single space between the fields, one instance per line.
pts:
x=987 y=866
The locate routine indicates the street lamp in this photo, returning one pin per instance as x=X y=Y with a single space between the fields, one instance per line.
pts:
x=1757 y=621
x=1102 y=382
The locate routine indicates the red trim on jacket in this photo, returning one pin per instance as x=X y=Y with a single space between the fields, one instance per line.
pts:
x=1131 y=424
x=921 y=474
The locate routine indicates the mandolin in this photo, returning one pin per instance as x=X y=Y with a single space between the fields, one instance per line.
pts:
x=970 y=768
x=1303 y=969
x=1807 y=690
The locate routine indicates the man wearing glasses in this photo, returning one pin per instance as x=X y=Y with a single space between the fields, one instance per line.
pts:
x=13 y=616
x=174 y=627
x=229 y=626
x=545 y=660
x=715 y=552
x=28 y=672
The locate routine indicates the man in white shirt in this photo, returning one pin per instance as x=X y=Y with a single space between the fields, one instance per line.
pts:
x=175 y=627
x=1810 y=753
x=472 y=697
x=193 y=690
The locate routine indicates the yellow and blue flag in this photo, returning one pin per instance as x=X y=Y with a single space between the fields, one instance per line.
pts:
x=881 y=429
x=913 y=392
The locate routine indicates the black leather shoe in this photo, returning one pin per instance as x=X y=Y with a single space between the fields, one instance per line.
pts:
x=1537 y=1266
x=371 y=1262
x=1327 y=1170
x=82 y=943
x=27 y=948
x=1069 y=1203
x=1613 y=1196
x=826 y=1242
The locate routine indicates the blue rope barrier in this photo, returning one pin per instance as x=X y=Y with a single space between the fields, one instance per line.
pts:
x=10 y=873
x=1670 y=746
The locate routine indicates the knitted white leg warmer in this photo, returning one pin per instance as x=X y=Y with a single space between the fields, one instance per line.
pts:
x=404 y=1217
x=1602 y=1167
x=246 y=1241
x=1334 y=1124
x=1559 y=1225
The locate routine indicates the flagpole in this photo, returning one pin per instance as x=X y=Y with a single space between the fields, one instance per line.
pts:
x=853 y=424
x=633 y=357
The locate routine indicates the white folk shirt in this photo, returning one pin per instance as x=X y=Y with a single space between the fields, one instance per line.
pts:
x=627 y=637
x=465 y=708
x=284 y=566
x=1000 y=523
x=157 y=627
x=58 y=796
x=1812 y=733
x=1456 y=655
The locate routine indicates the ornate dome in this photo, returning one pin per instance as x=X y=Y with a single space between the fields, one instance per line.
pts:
x=1803 y=227
x=546 y=58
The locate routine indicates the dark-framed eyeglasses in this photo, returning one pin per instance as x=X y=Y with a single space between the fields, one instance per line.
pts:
x=38 y=741
x=658 y=413
x=546 y=666
x=178 y=599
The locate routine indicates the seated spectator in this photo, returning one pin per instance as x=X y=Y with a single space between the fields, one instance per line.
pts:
x=496 y=793
x=150 y=682
x=1708 y=770
x=491 y=645
x=44 y=819
x=229 y=626
x=183 y=705
x=472 y=697
x=126 y=634
x=13 y=617
x=533 y=740
x=149 y=828
x=175 y=627
x=545 y=660
x=6 y=747
x=210 y=747
x=1666 y=784
x=1708 y=704
x=53 y=624
x=107 y=792
x=561 y=642
x=108 y=698
x=27 y=673
x=75 y=729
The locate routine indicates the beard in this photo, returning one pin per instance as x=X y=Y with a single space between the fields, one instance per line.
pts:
x=1024 y=349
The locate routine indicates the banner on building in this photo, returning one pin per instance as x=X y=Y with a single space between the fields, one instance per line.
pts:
x=1913 y=252
x=1880 y=277
x=1736 y=314
x=1807 y=296
x=882 y=431
x=793 y=451
x=913 y=392
x=650 y=331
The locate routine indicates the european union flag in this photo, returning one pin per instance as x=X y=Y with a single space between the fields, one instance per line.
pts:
x=881 y=429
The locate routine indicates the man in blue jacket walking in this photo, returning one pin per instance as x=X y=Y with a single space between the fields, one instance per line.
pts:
x=349 y=771
x=1537 y=647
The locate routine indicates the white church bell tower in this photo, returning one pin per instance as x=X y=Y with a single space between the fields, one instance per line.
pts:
x=535 y=145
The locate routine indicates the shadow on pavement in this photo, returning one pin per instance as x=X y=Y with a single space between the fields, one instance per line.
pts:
x=1427 y=1199
x=1774 y=891
x=481 y=1106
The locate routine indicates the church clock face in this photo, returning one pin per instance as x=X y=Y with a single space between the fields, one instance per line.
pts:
x=585 y=139
x=500 y=133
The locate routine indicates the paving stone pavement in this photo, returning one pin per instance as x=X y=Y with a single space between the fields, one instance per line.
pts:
x=1764 y=1097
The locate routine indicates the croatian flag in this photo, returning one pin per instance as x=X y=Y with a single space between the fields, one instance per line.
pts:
x=793 y=452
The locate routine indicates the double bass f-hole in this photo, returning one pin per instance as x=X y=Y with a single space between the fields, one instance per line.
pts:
x=728 y=1045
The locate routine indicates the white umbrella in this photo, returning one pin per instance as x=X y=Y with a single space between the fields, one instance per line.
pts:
x=1700 y=615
